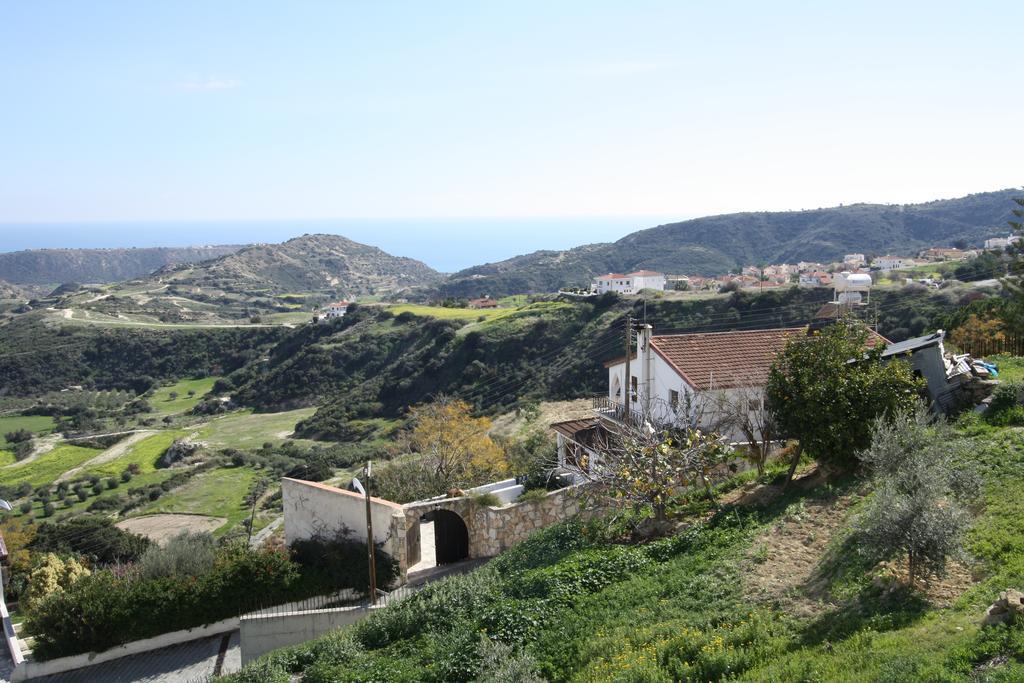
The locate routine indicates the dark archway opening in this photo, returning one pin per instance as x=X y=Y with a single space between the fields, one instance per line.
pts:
x=451 y=537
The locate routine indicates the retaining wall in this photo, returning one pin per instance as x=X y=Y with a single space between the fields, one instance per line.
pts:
x=264 y=633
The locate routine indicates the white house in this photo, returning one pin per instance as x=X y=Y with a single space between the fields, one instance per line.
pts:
x=336 y=310
x=630 y=283
x=855 y=260
x=688 y=378
x=1001 y=242
x=683 y=380
x=892 y=262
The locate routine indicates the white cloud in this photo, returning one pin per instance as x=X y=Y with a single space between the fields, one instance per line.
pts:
x=209 y=84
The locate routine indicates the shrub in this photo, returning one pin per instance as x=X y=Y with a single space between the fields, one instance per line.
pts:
x=81 y=494
x=112 y=483
x=126 y=476
x=184 y=555
x=48 y=510
x=103 y=610
x=25 y=507
x=342 y=563
x=18 y=436
x=533 y=496
x=93 y=536
x=50 y=576
x=487 y=500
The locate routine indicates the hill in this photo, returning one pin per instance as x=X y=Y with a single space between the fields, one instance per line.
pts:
x=283 y=281
x=715 y=244
x=54 y=266
x=311 y=263
x=9 y=291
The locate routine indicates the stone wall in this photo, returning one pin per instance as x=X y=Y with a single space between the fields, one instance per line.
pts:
x=312 y=509
x=493 y=530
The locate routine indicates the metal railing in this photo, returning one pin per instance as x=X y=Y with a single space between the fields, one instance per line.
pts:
x=343 y=598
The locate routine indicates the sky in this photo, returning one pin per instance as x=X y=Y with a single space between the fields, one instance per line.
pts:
x=577 y=118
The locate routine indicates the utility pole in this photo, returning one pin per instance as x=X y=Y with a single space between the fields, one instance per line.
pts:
x=369 y=538
x=628 y=383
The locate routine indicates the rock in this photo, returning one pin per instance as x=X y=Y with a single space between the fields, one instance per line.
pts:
x=1006 y=609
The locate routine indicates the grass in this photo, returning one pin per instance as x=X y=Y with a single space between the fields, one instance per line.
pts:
x=217 y=493
x=467 y=314
x=37 y=424
x=6 y=458
x=248 y=430
x=144 y=453
x=163 y=404
x=49 y=466
x=1011 y=368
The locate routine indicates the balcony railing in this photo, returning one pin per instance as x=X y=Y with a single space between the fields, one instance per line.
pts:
x=613 y=410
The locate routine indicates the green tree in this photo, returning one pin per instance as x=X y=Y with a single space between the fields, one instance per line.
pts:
x=825 y=401
x=917 y=505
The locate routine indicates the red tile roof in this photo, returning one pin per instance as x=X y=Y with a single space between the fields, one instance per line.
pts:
x=645 y=273
x=725 y=360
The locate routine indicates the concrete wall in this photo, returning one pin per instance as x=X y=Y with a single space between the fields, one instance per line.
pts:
x=315 y=510
x=264 y=633
x=312 y=509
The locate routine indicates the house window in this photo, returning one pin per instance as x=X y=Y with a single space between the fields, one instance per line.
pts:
x=632 y=386
x=754 y=405
x=673 y=398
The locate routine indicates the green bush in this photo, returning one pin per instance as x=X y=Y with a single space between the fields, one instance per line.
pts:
x=93 y=536
x=106 y=609
x=342 y=561
x=184 y=555
x=487 y=500
x=532 y=496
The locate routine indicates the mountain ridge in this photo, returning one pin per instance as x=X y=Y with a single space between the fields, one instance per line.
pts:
x=713 y=245
x=99 y=265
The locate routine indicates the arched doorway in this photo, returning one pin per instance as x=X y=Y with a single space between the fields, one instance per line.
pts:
x=451 y=537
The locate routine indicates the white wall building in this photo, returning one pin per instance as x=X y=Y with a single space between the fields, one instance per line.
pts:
x=892 y=262
x=336 y=310
x=630 y=283
x=1001 y=242
x=855 y=260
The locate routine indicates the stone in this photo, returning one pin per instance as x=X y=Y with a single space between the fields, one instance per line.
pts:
x=1009 y=607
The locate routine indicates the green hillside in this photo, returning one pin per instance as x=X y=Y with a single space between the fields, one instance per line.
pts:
x=715 y=244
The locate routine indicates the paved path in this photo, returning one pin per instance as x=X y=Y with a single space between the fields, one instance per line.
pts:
x=193 y=662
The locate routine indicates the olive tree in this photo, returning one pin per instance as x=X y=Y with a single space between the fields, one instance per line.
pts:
x=917 y=507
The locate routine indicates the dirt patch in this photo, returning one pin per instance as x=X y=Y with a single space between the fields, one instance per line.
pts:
x=941 y=591
x=162 y=527
x=781 y=565
x=43 y=446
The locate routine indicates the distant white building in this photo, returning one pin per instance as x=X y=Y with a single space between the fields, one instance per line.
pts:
x=630 y=283
x=1001 y=242
x=336 y=310
x=892 y=262
x=855 y=260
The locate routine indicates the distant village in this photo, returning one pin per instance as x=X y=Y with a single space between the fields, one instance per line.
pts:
x=849 y=277
x=804 y=273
